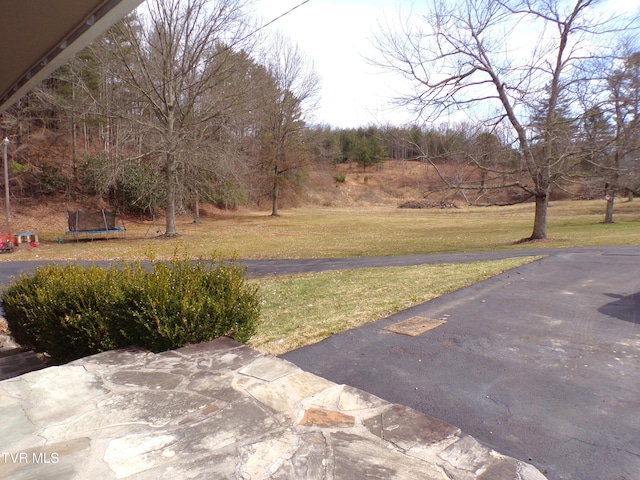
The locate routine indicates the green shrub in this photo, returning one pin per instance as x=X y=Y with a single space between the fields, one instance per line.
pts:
x=69 y=311
x=340 y=177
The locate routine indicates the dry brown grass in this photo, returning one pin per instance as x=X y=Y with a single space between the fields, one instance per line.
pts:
x=356 y=218
x=313 y=232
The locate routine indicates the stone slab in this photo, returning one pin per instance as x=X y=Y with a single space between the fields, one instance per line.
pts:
x=318 y=417
x=269 y=369
x=356 y=457
x=406 y=427
x=415 y=326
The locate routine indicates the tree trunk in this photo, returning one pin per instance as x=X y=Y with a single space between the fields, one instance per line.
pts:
x=171 y=167
x=170 y=209
x=540 y=220
x=196 y=210
x=74 y=137
x=170 y=225
x=274 y=195
x=608 y=215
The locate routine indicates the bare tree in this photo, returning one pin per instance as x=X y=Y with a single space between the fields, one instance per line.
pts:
x=472 y=55
x=172 y=61
x=623 y=166
x=287 y=104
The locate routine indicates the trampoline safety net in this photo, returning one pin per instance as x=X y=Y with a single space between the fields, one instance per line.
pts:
x=80 y=221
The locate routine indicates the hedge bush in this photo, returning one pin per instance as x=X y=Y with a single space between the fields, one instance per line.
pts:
x=70 y=311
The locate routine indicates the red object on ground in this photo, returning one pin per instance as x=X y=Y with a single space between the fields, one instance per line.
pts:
x=6 y=243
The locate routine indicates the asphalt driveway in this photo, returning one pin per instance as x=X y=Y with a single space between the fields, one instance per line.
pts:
x=541 y=363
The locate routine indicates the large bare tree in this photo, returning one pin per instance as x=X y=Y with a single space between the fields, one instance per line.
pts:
x=288 y=102
x=178 y=62
x=505 y=62
x=623 y=150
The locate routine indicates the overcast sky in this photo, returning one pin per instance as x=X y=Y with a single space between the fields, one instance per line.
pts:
x=336 y=35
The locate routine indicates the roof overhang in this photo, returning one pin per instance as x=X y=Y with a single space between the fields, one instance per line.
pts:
x=39 y=36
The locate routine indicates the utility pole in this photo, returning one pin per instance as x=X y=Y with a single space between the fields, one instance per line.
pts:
x=6 y=183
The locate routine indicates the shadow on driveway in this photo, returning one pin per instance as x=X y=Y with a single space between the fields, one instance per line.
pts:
x=626 y=307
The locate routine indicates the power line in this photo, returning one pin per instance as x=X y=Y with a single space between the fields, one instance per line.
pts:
x=272 y=21
x=283 y=15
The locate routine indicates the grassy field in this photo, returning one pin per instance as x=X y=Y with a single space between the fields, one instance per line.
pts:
x=353 y=232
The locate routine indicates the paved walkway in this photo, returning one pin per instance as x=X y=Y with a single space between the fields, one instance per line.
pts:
x=259 y=268
x=16 y=361
x=220 y=410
